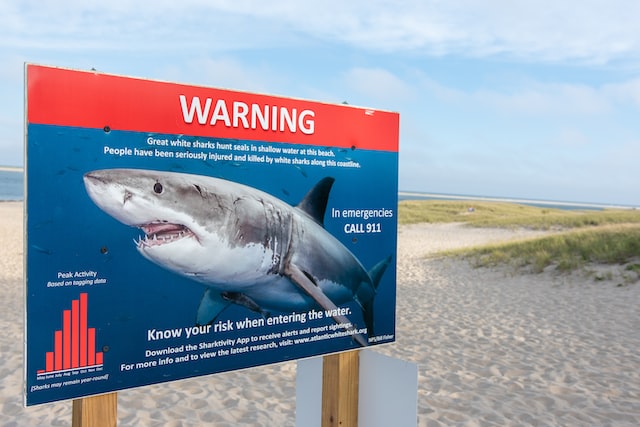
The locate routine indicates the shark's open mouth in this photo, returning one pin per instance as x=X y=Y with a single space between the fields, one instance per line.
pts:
x=162 y=233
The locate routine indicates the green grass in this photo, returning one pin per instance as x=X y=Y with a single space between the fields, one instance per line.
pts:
x=496 y=214
x=583 y=237
x=433 y=211
x=567 y=251
x=633 y=267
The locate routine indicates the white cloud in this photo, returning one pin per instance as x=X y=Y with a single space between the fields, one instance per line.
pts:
x=128 y=26
x=379 y=85
x=536 y=98
x=547 y=99
x=229 y=73
x=588 y=31
x=628 y=91
x=570 y=137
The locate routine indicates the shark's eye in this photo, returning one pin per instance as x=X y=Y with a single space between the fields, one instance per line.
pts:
x=157 y=188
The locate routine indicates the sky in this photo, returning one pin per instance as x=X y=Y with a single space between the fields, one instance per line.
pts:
x=502 y=98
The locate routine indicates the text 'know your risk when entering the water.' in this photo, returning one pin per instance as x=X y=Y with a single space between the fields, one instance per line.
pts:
x=217 y=347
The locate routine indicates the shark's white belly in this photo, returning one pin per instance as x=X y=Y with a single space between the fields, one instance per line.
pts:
x=238 y=268
x=248 y=270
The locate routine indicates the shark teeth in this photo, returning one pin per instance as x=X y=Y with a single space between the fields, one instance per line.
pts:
x=162 y=233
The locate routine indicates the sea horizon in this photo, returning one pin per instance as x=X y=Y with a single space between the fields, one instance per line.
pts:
x=12 y=189
x=11 y=184
x=559 y=204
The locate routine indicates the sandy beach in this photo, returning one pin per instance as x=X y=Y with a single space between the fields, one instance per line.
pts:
x=493 y=348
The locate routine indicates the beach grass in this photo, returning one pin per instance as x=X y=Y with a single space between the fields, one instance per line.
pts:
x=438 y=211
x=499 y=214
x=580 y=238
x=567 y=251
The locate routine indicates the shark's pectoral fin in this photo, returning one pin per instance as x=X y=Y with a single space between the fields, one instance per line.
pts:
x=211 y=305
x=243 y=300
x=306 y=284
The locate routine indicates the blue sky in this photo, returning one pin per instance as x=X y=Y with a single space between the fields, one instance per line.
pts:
x=497 y=98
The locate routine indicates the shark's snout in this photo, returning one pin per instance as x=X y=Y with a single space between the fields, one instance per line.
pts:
x=94 y=180
x=119 y=194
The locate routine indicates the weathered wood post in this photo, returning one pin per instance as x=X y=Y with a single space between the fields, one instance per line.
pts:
x=340 y=381
x=96 y=411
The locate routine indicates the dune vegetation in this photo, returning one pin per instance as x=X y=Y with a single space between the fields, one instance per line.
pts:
x=577 y=238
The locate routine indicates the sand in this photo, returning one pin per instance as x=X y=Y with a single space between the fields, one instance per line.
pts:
x=493 y=348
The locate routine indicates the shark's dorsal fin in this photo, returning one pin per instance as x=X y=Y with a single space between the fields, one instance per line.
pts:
x=314 y=203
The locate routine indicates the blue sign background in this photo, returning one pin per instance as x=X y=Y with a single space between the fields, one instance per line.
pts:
x=68 y=232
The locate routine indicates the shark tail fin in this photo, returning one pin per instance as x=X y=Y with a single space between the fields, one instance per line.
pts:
x=378 y=270
x=314 y=202
x=366 y=297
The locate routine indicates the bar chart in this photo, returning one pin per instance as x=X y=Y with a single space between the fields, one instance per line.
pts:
x=74 y=346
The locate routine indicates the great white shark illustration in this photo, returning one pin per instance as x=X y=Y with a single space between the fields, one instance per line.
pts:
x=247 y=246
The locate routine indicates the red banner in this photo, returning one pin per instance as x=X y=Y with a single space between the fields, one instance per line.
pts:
x=65 y=97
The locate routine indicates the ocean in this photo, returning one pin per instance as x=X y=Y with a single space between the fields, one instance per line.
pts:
x=11 y=185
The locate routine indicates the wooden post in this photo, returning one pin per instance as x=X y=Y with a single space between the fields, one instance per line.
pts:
x=96 y=411
x=340 y=380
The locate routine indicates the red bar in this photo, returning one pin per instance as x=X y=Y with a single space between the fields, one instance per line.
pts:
x=92 y=347
x=83 y=329
x=75 y=330
x=75 y=344
x=40 y=371
x=66 y=339
x=57 y=351
x=92 y=100
x=49 y=361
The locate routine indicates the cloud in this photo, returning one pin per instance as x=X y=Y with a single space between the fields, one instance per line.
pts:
x=572 y=138
x=230 y=73
x=588 y=31
x=627 y=91
x=379 y=85
x=120 y=25
x=531 y=97
x=548 y=99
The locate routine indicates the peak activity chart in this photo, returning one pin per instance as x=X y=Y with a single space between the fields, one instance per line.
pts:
x=74 y=345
